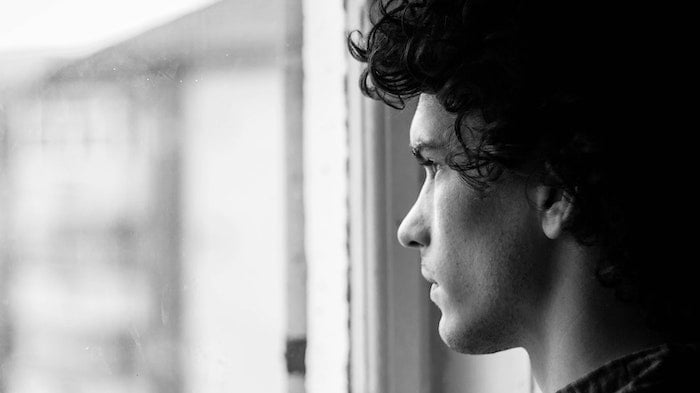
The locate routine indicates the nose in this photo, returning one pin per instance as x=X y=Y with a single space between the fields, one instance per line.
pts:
x=414 y=230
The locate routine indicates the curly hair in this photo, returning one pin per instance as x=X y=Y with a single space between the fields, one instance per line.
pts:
x=567 y=88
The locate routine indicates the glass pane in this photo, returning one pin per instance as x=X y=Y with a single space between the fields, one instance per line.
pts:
x=142 y=196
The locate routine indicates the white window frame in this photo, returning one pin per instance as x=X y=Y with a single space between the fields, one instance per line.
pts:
x=392 y=321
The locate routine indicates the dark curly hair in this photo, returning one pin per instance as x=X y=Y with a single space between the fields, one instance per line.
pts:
x=570 y=88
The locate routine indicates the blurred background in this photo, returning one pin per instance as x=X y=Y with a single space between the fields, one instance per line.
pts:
x=142 y=196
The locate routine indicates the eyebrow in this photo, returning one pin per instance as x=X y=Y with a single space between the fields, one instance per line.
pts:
x=417 y=149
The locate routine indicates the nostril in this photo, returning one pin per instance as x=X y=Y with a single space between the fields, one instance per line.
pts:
x=412 y=236
x=413 y=243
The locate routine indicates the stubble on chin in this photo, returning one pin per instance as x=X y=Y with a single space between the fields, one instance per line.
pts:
x=476 y=340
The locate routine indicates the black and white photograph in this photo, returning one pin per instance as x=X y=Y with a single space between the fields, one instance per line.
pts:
x=348 y=196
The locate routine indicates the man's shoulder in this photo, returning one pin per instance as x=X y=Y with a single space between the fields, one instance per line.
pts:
x=665 y=368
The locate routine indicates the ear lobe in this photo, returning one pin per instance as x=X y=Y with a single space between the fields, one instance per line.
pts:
x=555 y=208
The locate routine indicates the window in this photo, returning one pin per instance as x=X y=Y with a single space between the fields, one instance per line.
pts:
x=145 y=205
x=204 y=202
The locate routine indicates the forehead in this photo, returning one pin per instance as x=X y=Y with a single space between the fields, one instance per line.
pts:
x=431 y=124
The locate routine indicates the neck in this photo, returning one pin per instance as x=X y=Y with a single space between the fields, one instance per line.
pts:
x=582 y=326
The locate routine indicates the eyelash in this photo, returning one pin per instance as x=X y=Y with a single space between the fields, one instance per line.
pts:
x=431 y=166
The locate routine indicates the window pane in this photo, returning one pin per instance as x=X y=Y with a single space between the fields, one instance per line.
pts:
x=143 y=197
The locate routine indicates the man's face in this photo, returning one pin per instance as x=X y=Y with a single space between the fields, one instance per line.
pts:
x=484 y=252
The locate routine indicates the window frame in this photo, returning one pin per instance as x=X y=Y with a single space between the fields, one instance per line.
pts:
x=393 y=346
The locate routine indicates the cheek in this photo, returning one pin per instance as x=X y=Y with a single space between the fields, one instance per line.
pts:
x=462 y=235
x=513 y=264
x=467 y=223
x=457 y=209
x=486 y=242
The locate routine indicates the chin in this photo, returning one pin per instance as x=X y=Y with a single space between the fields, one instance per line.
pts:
x=473 y=338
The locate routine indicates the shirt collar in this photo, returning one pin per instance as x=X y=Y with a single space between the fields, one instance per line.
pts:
x=648 y=368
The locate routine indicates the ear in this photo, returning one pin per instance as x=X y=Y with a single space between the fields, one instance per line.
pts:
x=555 y=207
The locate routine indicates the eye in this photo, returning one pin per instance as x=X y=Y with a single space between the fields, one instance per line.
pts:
x=431 y=167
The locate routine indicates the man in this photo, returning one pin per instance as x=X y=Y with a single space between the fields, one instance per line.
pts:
x=551 y=216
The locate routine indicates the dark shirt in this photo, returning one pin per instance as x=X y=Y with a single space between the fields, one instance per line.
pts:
x=666 y=368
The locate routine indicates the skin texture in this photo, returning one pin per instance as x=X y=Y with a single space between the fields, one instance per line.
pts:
x=505 y=273
x=483 y=251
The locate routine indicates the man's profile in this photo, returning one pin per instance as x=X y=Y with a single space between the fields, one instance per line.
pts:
x=549 y=215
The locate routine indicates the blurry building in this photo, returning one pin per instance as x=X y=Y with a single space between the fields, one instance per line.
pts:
x=143 y=216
